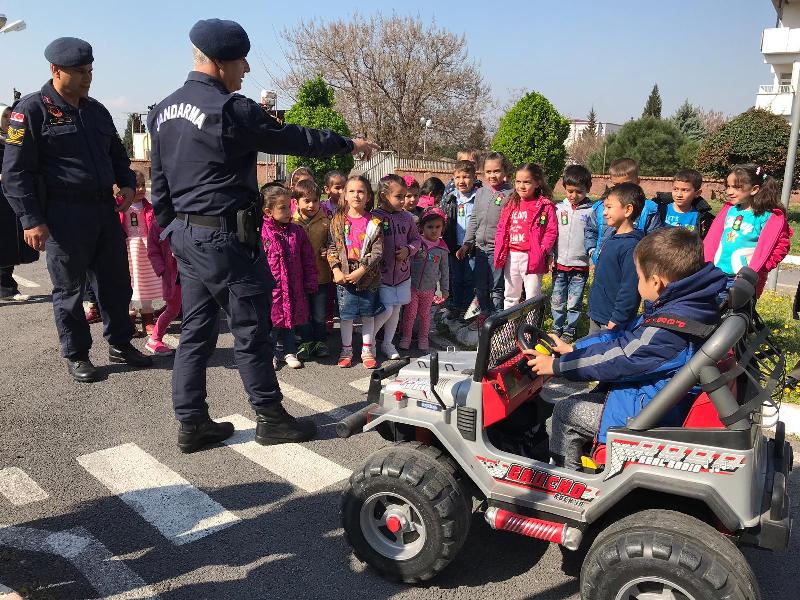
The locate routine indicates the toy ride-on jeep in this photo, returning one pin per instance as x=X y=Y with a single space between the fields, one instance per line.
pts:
x=659 y=514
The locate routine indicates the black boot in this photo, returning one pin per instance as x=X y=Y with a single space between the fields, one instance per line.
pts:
x=276 y=426
x=126 y=353
x=82 y=370
x=194 y=436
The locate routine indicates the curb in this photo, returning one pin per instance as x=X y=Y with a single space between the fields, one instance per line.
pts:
x=790 y=415
x=792 y=259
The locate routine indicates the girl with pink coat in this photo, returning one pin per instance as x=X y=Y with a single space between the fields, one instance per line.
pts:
x=751 y=229
x=526 y=233
x=291 y=260
x=166 y=267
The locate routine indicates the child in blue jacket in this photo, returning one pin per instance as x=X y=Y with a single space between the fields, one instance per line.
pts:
x=637 y=361
x=597 y=233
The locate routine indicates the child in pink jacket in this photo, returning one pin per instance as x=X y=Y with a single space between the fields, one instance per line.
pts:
x=166 y=267
x=526 y=234
x=293 y=265
x=751 y=229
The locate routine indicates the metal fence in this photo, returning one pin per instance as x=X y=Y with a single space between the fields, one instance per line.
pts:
x=386 y=161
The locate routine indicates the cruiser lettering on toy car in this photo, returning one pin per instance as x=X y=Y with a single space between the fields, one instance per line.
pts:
x=670 y=456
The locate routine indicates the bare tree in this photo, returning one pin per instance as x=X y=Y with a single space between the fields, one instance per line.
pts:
x=387 y=74
x=711 y=119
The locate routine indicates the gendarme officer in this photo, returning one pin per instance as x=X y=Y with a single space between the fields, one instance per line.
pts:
x=63 y=156
x=204 y=144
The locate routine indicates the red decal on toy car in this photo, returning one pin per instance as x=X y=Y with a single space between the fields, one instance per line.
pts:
x=565 y=489
x=669 y=456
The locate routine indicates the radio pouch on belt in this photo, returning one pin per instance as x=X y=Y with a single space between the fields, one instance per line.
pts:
x=248 y=225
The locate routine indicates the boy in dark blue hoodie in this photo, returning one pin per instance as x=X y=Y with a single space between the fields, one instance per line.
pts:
x=613 y=299
x=637 y=361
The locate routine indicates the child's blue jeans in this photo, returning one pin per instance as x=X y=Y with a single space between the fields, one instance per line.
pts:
x=489 y=282
x=315 y=330
x=462 y=283
x=566 y=300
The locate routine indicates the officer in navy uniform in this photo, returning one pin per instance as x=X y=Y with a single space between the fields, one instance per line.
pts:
x=62 y=158
x=204 y=143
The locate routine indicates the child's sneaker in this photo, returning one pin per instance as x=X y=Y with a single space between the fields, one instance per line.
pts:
x=568 y=336
x=157 y=347
x=368 y=360
x=321 y=350
x=305 y=350
x=389 y=350
x=292 y=361
x=276 y=362
x=346 y=357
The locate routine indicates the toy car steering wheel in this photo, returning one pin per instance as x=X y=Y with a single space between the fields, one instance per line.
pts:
x=530 y=337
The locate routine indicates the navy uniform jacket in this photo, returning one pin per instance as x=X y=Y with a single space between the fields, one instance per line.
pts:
x=77 y=150
x=204 y=145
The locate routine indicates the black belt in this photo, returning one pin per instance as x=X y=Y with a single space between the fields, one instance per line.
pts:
x=224 y=222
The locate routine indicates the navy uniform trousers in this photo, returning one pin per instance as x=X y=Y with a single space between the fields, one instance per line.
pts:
x=217 y=271
x=86 y=238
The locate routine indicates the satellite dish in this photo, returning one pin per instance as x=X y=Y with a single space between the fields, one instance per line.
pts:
x=13 y=26
x=2 y=21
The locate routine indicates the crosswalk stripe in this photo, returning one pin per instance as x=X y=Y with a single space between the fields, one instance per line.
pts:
x=295 y=463
x=180 y=511
x=25 y=282
x=318 y=405
x=17 y=486
x=108 y=575
x=362 y=385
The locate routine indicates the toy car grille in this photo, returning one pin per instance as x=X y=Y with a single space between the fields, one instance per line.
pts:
x=503 y=344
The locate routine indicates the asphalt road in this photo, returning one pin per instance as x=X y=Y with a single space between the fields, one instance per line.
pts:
x=96 y=500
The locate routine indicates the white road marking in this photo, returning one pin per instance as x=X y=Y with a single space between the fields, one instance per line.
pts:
x=26 y=282
x=170 y=340
x=19 y=488
x=362 y=385
x=328 y=409
x=180 y=511
x=303 y=468
x=109 y=576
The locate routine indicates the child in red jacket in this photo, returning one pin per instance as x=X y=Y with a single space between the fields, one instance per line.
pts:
x=526 y=234
x=751 y=229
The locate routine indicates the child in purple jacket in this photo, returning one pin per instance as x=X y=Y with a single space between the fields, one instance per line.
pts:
x=166 y=267
x=401 y=241
x=293 y=265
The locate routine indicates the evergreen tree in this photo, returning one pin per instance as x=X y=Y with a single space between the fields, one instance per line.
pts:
x=314 y=108
x=688 y=120
x=653 y=106
x=590 y=132
x=134 y=125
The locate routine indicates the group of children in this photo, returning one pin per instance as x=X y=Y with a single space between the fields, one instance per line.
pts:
x=491 y=240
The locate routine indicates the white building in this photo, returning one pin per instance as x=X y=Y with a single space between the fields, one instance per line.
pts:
x=780 y=46
x=577 y=126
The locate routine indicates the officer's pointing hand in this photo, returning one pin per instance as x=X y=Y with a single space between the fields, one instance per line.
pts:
x=127 y=199
x=365 y=148
x=36 y=237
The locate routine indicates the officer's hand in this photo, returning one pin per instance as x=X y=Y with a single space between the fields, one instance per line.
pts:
x=365 y=148
x=127 y=199
x=36 y=237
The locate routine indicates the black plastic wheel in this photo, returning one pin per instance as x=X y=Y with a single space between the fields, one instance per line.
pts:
x=406 y=513
x=661 y=554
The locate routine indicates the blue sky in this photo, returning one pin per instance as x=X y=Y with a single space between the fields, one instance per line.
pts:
x=578 y=53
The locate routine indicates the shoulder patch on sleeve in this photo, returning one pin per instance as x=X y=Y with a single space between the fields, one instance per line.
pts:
x=15 y=136
x=18 y=117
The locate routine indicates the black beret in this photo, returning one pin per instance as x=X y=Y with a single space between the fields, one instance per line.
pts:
x=223 y=40
x=69 y=52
